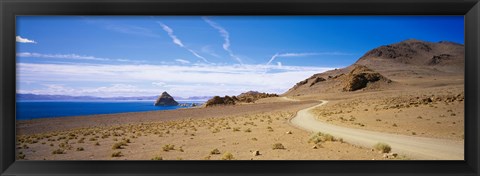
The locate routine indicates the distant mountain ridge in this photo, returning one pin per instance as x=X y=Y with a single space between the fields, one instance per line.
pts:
x=92 y=98
x=443 y=55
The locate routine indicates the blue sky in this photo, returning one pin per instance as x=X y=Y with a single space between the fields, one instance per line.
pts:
x=192 y=55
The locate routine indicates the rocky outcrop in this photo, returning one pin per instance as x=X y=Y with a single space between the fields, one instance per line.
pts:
x=217 y=100
x=360 y=77
x=165 y=100
x=440 y=59
x=252 y=96
x=317 y=80
x=247 y=97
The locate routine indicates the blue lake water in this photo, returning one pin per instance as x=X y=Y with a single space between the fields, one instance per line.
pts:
x=27 y=110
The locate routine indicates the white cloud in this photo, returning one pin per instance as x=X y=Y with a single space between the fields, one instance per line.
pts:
x=178 y=42
x=61 y=56
x=183 y=80
x=182 y=61
x=24 y=40
x=158 y=84
x=72 y=56
x=208 y=50
x=278 y=55
x=129 y=29
x=170 y=33
x=226 y=36
x=279 y=64
x=112 y=90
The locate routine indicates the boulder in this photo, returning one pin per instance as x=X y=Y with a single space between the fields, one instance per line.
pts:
x=256 y=153
x=165 y=100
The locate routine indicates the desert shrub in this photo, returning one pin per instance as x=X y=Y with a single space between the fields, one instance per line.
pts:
x=58 y=151
x=97 y=143
x=80 y=149
x=270 y=129
x=157 y=158
x=117 y=154
x=21 y=156
x=216 y=130
x=119 y=145
x=168 y=147
x=236 y=129
x=248 y=130
x=215 y=152
x=277 y=146
x=82 y=140
x=127 y=140
x=382 y=147
x=227 y=156
x=321 y=137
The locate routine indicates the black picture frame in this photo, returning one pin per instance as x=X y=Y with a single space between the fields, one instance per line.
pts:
x=11 y=8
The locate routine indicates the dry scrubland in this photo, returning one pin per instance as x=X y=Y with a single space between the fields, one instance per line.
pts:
x=413 y=88
x=262 y=136
x=435 y=111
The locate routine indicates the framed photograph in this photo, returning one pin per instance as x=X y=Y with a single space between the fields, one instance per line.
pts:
x=239 y=87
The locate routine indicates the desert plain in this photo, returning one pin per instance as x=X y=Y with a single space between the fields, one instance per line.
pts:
x=411 y=92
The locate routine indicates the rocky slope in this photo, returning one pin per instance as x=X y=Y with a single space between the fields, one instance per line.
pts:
x=385 y=66
x=418 y=53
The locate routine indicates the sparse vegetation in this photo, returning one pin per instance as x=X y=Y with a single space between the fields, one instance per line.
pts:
x=21 y=156
x=215 y=152
x=117 y=154
x=277 y=146
x=58 y=151
x=227 y=156
x=157 y=158
x=119 y=145
x=168 y=147
x=270 y=129
x=382 y=147
x=321 y=137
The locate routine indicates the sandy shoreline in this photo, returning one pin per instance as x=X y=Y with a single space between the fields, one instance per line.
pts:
x=65 y=123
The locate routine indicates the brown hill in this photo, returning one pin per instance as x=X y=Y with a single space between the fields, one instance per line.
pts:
x=441 y=56
x=388 y=65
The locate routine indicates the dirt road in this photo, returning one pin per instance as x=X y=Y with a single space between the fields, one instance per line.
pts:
x=413 y=147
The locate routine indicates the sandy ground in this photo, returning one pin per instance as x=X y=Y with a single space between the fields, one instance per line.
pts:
x=435 y=112
x=418 y=147
x=193 y=139
x=427 y=107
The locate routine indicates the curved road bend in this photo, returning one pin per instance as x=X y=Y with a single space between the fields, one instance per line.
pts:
x=415 y=147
